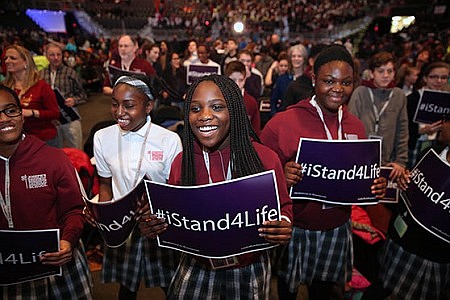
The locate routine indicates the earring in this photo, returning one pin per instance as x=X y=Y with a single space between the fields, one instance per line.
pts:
x=26 y=67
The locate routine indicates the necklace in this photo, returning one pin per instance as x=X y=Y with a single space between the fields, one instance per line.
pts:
x=141 y=156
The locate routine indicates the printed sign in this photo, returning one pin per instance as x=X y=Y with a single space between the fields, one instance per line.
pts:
x=67 y=113
x=116 y=219
x=217 y=220
x=428 y=195
x=338 y=171
x=20 y=251
x=432 y=106
x=114 y=73
x=196 y=71
x=391 y=190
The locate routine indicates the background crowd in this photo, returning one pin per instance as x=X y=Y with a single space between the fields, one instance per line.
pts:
x=272 y=71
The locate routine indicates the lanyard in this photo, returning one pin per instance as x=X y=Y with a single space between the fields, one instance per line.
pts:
x=208 y=168
x=52 y=79
x=319 y=112
x=141 y=156
x=6 y=202
x=375 y=109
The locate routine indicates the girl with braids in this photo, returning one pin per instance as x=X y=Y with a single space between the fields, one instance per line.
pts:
x=319 y=254
x=217 y=130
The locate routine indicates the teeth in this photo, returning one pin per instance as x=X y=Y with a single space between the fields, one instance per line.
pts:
x=7 y=128
x=123 y=122
x=207 y=128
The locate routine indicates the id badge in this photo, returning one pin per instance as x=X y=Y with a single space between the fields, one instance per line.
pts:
x=400 y=226
x=221 y=263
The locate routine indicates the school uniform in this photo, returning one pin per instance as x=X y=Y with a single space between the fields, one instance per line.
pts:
x=415 y=264
x=321 y=244
x=250 y=279
x=118 y=154
x=45 y=194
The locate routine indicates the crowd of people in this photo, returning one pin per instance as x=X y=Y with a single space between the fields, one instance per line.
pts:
x=210 y=130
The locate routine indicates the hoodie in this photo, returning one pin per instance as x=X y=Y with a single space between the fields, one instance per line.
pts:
x=282 y=134
x=44 y=190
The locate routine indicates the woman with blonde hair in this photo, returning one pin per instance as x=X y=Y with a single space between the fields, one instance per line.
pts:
x=37 y=99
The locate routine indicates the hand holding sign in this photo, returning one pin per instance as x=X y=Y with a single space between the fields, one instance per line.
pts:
x=151 y=226
x=63 y=256
x=379 y=187
x=277 y=232
x=293 y=173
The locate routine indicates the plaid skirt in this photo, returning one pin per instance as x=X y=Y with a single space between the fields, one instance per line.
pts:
x=139 y=258
x=193 y=281
x=75 y=283
x=409 y=276
x=317 y=255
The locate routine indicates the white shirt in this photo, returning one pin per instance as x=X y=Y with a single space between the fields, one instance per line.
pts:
x=161 y=148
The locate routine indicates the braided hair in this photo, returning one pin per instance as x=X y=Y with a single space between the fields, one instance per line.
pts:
x=243 y=157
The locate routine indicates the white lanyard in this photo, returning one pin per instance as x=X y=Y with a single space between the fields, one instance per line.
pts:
x=6 y=202
x=319 y=112
x=208 y=168
x=141 y=156
x=52 y=79
x=375 y=109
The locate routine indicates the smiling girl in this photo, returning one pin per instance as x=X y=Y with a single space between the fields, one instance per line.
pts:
x=124 y=154
x=40 y=191
x=218 y=131
x=319 y=254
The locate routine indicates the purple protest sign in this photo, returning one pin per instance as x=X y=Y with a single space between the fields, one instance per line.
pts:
x=216 y=220
x=196 y=71
x=338 y=171
x=432 y=106
x=19 y=256
x=116 y=219
x=427 y=197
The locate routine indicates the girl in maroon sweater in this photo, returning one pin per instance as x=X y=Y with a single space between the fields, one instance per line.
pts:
x=219 y=145
x=319 y=254
x=40 y=191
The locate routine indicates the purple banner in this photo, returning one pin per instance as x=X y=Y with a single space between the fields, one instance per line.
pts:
x=391 y=190
x=196 y=71
x=338 y=171
x=432 y=106
x=114 y=73
x=216 y=220
x=19 y=256
x=116 y=219
x=427 y=197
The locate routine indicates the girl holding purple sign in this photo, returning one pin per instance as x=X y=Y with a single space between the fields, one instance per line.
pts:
x=220 y=145
x=125 y=153
x=320 y=252
x=435 y=78
x=40 y=192
x=415 y=264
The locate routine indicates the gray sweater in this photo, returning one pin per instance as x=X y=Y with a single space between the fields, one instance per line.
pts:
x=393 y=125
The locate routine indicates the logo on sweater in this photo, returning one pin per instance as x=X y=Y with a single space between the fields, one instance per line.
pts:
x=156 y=155
x=35 y=181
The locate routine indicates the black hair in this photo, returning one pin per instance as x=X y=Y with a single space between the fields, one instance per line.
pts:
x=152 y=82
x=332 y=53
x=243 y=157
x=12 y=92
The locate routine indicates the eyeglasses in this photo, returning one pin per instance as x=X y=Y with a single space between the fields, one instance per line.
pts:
x=435 y=77
x=12 y=111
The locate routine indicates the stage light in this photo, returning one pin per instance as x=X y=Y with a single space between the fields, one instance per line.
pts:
x=238 y=27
